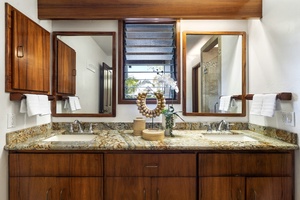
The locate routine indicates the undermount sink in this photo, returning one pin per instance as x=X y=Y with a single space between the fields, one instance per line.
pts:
x=70 y=138
x=229 y=138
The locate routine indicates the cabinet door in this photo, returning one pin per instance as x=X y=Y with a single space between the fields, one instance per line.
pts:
x=225 y=188
x=269 y=188
x=173 y=188
x=66 y=63
x=86 y=188
x=31 y=61
x=28 y=188
x=127 y=188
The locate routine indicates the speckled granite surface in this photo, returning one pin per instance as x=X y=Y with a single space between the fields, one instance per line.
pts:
x=118 y=136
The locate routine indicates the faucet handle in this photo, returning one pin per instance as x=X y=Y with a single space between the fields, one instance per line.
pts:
x=71 y=128
x=208 y=125
x=91 y=128
x=228 y=125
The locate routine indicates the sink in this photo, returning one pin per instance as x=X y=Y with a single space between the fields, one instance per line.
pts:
x=70 y=138
x=230 y=138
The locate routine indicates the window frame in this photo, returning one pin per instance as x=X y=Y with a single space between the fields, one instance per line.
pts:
x=121 y=99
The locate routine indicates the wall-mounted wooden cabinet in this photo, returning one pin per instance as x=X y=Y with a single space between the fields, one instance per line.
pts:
x=66 y=76
x=27 y=54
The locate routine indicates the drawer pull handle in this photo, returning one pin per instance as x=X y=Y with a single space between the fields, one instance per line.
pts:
x=144 y=192
x=61 y=194
x=47 y=193
x=20 y=51
x=157 y=193
x=151 y=166
x=239 y=194
x=254 y=194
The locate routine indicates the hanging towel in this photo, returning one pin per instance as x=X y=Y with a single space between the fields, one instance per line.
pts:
x=269 y=105
x=32 y=104
x=77 y=103
x=44 y=105
x=224 y=103
x=74 y=103
x=257 y=103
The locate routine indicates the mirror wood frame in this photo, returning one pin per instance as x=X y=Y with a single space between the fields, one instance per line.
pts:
x=243 y=67
x=54 y=74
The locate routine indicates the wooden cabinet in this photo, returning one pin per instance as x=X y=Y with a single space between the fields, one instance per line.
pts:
x=150 y=176
x=66 y=75
x=56 y=176
x=235 y=175
x=27 y=54
x=56 y=188
x=254 y=176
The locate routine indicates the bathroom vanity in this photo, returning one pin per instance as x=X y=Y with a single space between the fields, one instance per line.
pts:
x=118 y=165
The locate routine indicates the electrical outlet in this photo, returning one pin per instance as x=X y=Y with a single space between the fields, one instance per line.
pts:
x=288 y=118
x=11 y=120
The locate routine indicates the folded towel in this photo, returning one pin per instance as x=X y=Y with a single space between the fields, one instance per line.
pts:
x=35 y=105
x=74 y=103
x=77 y=103
x=44 y=105
x=257 y=103
x=224 y=103
x=32 y=104
x=269 y=105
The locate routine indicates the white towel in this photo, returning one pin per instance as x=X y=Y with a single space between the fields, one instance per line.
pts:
x=32 y=104
x=77 y=103
x=269 y=105
x=74 y=103
x=257 y=103
x=35 y=105
x=224 y=103
x=44 y=105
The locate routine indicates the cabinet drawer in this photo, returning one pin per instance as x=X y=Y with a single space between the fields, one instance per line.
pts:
x=56 y=164
x=244 y=164
x=150 y=164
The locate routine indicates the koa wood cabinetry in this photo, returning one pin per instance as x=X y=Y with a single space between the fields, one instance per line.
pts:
x=150 y=176
x=246 y=176
x=56 y=176
x=27 y=54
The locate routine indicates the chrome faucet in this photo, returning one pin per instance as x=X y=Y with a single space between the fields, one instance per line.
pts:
x=79 y=125
x=221 y=125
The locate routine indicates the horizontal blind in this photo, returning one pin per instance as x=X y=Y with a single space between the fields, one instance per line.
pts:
x=148 y=49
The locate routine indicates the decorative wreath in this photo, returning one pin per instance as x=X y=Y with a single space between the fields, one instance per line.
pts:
x=142 y=107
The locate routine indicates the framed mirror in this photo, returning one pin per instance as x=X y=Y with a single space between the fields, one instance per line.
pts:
x=214 y=73
x=84 y=74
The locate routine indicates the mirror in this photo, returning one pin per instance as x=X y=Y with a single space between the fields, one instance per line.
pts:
x=84 y=74
x=214 y=73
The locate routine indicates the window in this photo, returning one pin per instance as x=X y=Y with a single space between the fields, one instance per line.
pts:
x=146 y=51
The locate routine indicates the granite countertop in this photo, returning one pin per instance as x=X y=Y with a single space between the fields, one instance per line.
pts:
x=125 y=140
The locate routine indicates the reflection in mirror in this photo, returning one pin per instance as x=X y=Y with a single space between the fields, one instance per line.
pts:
x=214 y=73
x=84 y=74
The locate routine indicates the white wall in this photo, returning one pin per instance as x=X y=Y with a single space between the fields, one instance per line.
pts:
x=274 y=46
x=29 y=8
